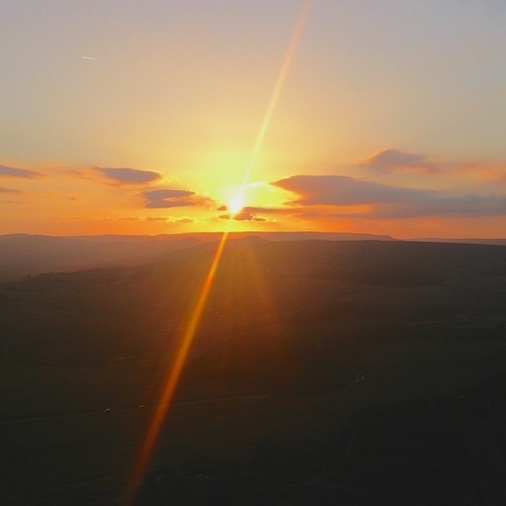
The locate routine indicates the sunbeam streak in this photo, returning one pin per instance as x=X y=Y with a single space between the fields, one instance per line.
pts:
x=173 y=377
x=292 y=46
x=151 y=436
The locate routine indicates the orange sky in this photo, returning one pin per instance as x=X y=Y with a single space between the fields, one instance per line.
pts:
x=366 y=116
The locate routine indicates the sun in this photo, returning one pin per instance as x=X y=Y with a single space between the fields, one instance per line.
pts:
x=235 y=204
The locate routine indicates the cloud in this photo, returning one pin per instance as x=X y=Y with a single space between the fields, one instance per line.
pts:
x=184 y=219
x=156 y=218
x=397 y=162
x=170 y=219
x=129 y=176
x=345 y=190
x=160 y=219
x=489 y=174
x=382 y=201
x=16 y=172
x=9 y=190
x=246 y=214
x=433 y=205
x=391 y=160
x=271 y=210
x=158 y=199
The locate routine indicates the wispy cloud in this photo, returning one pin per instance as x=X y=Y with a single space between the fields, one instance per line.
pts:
x=9 y=190
x=157 y=219
x=397 y=162
x=170 y=219
x=16 y=172
x=183 y=219
x=437 y=205
x=344 y=190
x=246 y=214
x=166 y=198
x=272 y=210
x=127 y=176
x=390 y=160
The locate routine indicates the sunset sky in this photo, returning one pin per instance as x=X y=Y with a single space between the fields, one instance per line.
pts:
x=155 y=116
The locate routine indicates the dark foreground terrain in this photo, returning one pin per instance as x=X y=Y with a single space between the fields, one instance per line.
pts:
x=445 y=451
x=359 y=373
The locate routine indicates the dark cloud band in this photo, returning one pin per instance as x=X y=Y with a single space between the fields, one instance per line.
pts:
x=167 y=198
x=383 y=201
x=16 y=172
x=129 y=176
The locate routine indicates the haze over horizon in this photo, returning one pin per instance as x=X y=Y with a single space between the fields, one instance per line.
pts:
x=368 y=117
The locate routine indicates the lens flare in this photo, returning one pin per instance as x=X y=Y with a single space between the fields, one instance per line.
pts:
x=235 y=204
x=287 y=61
x=191 y=326
x=173 y=377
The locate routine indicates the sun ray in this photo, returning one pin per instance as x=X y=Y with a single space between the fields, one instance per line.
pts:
x=235 y=204
x=173 y=377
x=292 y=46
x=190 y=328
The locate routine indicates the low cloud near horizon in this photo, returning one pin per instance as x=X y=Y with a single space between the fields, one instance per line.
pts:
x=344 y=191
x=8 y=190
x=167 y=198
x=246 y=214
x=127 y=176
x=390 y=160
x=397 y=163
x=384 y=201
x=17 y=172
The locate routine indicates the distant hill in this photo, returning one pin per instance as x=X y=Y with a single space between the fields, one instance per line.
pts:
x=468 y=240
x=24 y=255
x=307 y=300
x=27 y=255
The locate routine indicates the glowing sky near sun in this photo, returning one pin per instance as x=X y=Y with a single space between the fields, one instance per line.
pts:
x=141 y=117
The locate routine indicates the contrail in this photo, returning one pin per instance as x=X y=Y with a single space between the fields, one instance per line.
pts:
x=89 y=58
x=194 y=319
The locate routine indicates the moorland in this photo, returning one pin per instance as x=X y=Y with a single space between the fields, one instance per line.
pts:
x=357 y=372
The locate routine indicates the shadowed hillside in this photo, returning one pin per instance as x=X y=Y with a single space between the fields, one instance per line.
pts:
x=433 y=452
x=27 y=255
x=265 y=294
x=309 y=359
x=24 y=255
